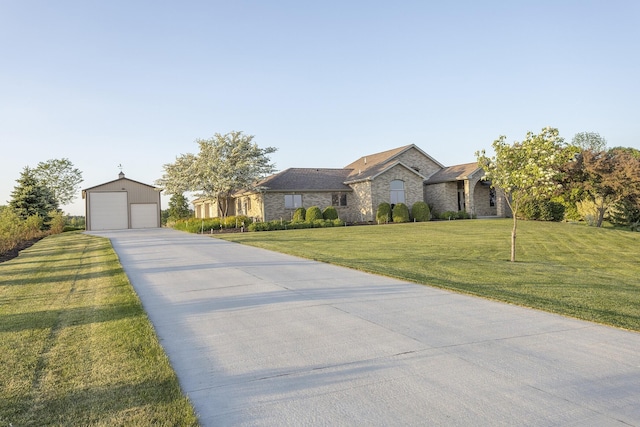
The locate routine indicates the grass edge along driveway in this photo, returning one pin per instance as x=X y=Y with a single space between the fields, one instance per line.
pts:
x=570 y=269
x=76 y=347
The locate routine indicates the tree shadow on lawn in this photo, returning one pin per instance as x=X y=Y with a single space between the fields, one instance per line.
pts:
x=46 y=319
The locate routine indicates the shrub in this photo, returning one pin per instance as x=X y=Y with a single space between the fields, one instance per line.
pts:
x=542 y=210
x=330 y=213
x=383 y=214
x=299 y=215
x=400 y=213
x=420 y=212
x=313 y=213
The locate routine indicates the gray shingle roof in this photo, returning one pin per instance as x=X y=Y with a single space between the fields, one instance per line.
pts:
x=305 y=179
x=453 y=173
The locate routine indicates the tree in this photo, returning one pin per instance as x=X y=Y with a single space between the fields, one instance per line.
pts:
x=61 y=178
x=225 y=163
x=179 y=207
x=604 y=178
x=31 y=198
x=586 y=141
x=526 y=170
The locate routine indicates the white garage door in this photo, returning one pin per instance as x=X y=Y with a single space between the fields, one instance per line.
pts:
x=109 y=210
x=144 y=215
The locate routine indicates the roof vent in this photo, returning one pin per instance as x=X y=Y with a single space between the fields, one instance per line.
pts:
x=121 y=175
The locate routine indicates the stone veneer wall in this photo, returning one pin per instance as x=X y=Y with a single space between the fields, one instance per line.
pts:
x=381 y=186
x=275 y=210
x=414 y=158
x=442 y=197
x=362 y=207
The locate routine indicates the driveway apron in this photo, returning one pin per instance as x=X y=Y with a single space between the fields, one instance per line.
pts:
x=259 y=338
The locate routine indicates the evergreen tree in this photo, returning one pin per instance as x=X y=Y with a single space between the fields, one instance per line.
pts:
x=30 y=197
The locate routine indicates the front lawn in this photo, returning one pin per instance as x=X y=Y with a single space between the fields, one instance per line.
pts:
x=76 y=347
x=570 y=269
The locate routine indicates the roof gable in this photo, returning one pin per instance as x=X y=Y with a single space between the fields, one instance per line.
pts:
x=453 y=173
x=120 y=180
x=367 y=167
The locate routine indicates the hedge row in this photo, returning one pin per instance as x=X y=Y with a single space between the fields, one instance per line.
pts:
x=14 y=229
x=206 y=225
x=400 y=213
x=292 y=225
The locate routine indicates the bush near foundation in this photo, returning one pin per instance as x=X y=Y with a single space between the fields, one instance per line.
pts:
x=420 y=212
x=330 y=213
x=299 y=215
x=400 y=213
x=313 y=213
x=383 y=214
x=208 y=225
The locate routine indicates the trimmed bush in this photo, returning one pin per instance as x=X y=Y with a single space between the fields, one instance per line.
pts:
x=542 y=210
x=400 y=213
x=313 y=213
x=383 y=214
x=420 y=212
x=330 y=213
x=299 y=215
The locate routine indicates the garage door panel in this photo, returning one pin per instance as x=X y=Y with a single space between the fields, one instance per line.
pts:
x=109 y=210
x=144 y=215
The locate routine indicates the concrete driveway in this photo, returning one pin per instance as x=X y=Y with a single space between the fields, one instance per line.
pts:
x=260 y=338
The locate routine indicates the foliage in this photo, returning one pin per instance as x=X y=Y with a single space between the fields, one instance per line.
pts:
x=208 y=225
x=400 y=213
x=626 y=213
x=526 y=170
x=383 y=213
x=420 y=212
x=294 y=225
x=542 y=210
x=604 y=178
x=56 y=223
x=313 y=213
x=589 y=141
x=299 y=215
x=15 y=230
x=450 y=215
x=77 y=347
x=225 y=163
x=178 y=207
x=61 y=178
x=330 y=212
x=31 y=198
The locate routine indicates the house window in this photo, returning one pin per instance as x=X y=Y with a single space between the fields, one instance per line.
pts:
x=339 y=199
x=292 y=201
x=397 y=192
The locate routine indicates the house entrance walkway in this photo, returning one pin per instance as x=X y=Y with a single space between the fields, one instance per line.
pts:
x=261 y=338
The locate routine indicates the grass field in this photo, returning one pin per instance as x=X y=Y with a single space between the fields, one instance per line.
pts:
x=76 y=347
x=570 y=269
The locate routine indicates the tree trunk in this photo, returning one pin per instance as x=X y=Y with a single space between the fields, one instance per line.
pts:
x=513 y=238
x=601 y=210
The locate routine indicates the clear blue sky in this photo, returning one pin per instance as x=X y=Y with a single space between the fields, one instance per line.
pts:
x=104 y=83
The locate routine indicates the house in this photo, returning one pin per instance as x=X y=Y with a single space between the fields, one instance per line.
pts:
x=402 y=175
x=122 y=204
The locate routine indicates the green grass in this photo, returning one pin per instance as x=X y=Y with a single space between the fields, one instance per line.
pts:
x=76 y=347
x=570 y=269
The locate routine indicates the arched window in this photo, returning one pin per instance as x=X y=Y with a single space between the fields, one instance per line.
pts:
x=397 y=192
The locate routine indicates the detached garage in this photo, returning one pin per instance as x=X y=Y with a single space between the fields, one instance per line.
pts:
x=121 y=204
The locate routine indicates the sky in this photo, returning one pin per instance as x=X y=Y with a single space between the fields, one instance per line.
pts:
x=136 y=83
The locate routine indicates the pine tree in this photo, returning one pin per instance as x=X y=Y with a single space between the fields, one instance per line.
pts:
x=30 y=197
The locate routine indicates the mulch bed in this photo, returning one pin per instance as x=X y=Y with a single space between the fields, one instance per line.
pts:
x=11 y=254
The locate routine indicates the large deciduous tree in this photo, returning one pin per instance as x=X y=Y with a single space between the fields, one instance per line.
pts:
x=31 y=198
x=526 y=170
x=61 y=178
x=605 y=178
x=225 y=163
x=591 y=141
x=178 y=207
